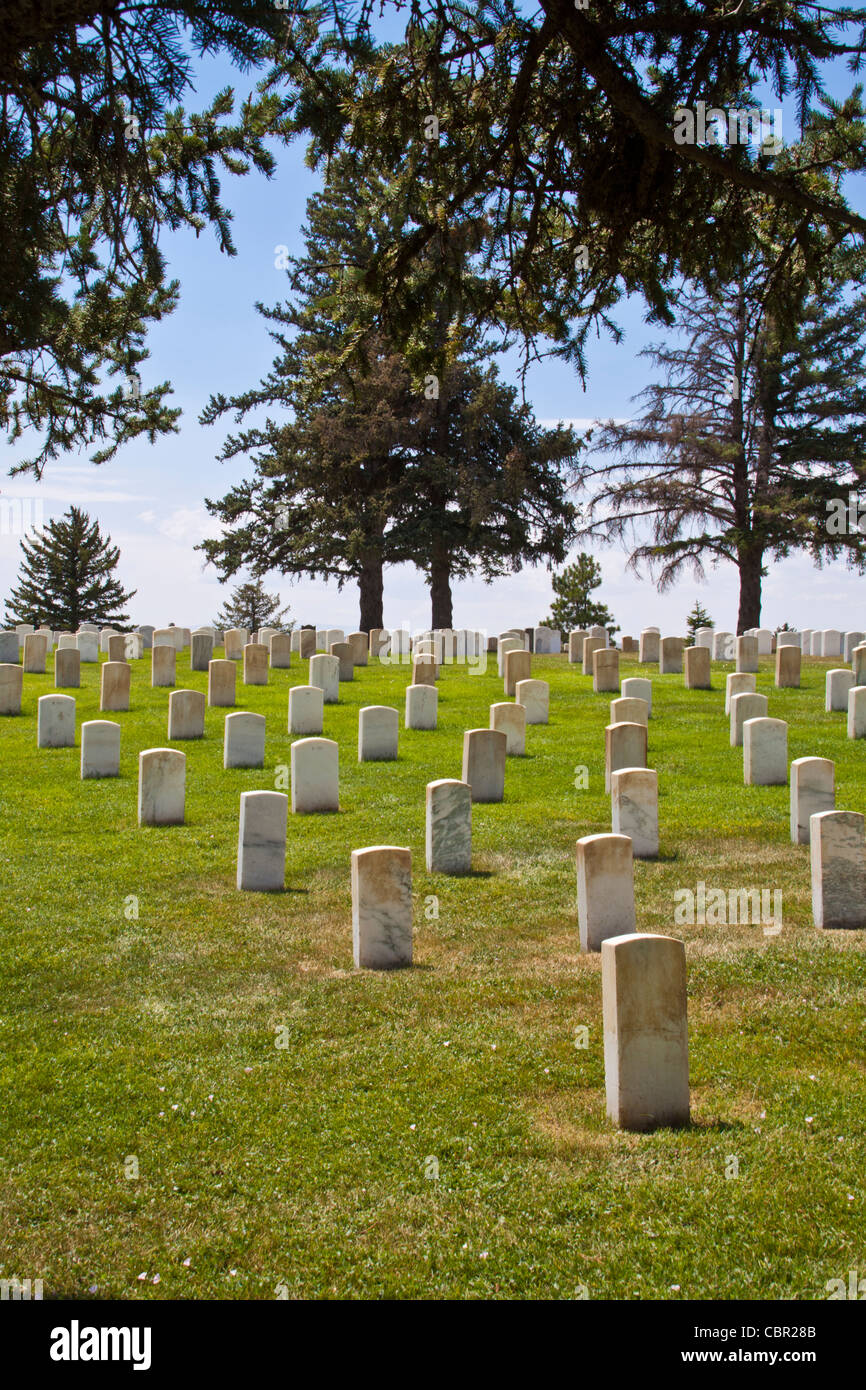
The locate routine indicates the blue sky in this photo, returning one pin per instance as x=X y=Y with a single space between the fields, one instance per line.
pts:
x=150 y=498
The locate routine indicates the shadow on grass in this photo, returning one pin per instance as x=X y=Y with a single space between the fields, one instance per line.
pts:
x=715 y=1127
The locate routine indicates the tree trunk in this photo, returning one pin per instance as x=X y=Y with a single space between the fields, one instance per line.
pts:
x=751 y=555
x=440 y=586
x=372 y=586
x=750 y=565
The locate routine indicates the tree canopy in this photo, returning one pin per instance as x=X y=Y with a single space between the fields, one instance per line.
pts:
x=758 y=420
x=425 y=456
x=97 y=160
x=67 y=577
x=557 y=133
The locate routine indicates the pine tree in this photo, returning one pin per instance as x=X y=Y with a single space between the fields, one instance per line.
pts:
x=67 y=577
x=487 y=486
x=424 y=458
x=754 y=432
x=573 y=608
x=97 y=162
x=699 y=617
x=250 y=607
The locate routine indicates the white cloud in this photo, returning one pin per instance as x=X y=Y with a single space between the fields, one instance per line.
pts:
x=186 y=525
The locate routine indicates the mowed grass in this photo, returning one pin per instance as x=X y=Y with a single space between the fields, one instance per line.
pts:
x=309 y=1169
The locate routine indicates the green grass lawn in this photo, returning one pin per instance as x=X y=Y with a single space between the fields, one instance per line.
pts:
x=308 y=1169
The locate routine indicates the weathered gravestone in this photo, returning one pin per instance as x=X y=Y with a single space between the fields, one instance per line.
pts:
x=765 y=752
x=378 y=733
x=788 y=661
x=547 y=641
x=423 y=671
x=743 y=707
x=534 y=696
x=857 y=711
x=591 y=645
x=200 y=651
x=244 y=740
x=671 y=656
x=639 y=688
x=837 y=685
x=646 y=1045
x=114 y=685
x=163 y=662
x=11 y=688
x=813 y=790
x=67 y=667
x=510 y=720
x=634 y=799
x=449 y=827
x=35 y=653
x=306 y=710
x=325 y=673
x=380 y=642
x=343 y=652
x=100 y=749
x=186 y=714
x=315 y=776
x=696 y=668
x=221 y=682
x=382 y=907
x=484 y=762
x=161 y=786
x=55 y=721
x=747 y=654
x=360 y=648
x=628 y=709
x=88 y=646
x=518 y=667
x=235 y=641
x=648 y=646
x=738 y=683
x=421 y=706
x=262 y=839
x=605 y=670
x=625 y=745
x=255 y=664
x=838 y=865
x=605 y=888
